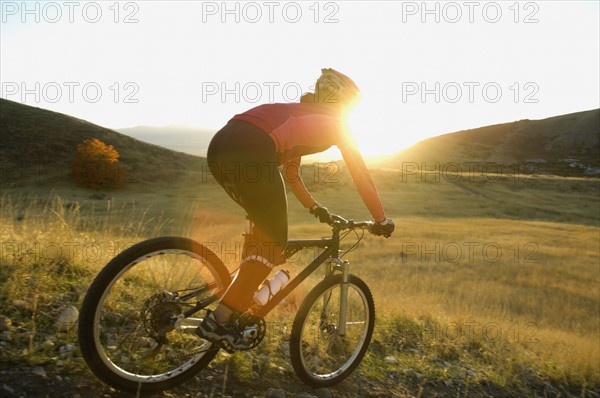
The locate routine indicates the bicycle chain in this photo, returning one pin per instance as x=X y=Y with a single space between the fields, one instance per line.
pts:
x=246 y=321
x=159 y=309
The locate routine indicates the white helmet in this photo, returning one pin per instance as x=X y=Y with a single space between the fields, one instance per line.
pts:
x=336 y=87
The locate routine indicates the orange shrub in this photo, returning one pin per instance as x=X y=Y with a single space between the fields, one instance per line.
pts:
x=96 y=165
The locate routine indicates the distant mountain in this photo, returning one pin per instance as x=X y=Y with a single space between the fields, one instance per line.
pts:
x=191 y=140
x=36 y=143
x=565 y=144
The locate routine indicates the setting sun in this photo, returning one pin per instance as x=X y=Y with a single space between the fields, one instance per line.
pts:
x=374 y=134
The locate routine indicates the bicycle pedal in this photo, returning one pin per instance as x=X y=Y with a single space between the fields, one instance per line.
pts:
x=229 y=348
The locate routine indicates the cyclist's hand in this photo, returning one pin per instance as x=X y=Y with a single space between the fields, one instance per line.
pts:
x=321 y=213
x=383 y=228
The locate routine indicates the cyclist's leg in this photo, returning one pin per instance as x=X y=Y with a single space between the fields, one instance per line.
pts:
x=242 y=159
x=224 y=161
x=262 y=250
x=266 y=204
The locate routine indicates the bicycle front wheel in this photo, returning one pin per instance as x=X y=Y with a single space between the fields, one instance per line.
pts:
x=327 y=343
x=132 y=333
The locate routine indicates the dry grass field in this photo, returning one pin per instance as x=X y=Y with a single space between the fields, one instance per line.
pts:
x=489 y=286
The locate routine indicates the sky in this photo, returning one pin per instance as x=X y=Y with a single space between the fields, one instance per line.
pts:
x=424 y=68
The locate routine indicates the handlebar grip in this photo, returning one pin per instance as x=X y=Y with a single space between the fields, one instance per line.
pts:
x=362 y=224
x=350 y=224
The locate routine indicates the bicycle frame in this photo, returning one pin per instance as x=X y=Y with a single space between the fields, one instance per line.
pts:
x=331 y=246
x=331 y=250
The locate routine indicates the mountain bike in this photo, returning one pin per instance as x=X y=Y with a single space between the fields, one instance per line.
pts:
x=138 y=319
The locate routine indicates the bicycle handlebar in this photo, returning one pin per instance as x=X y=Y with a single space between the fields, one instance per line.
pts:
x=341 y=223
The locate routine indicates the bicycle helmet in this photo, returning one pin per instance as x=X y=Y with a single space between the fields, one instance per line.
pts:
x=336 y=87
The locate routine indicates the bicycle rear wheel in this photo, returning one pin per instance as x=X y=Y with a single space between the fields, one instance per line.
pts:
x=127 y=330
x=321 y=354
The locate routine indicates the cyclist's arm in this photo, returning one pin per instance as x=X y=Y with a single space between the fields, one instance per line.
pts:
x=363 y=181
x=291 y=174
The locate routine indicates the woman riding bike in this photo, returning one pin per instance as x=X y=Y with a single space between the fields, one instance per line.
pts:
x=244 y=157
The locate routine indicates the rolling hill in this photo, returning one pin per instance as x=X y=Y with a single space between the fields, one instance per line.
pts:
x=565 y=144
x=187 y=139
x=42 y=143
x=34 y=140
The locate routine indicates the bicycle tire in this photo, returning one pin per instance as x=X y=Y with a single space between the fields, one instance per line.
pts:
x=309 y=325
x=174 y=255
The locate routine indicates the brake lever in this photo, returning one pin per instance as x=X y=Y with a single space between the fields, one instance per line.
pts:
x=339 y=218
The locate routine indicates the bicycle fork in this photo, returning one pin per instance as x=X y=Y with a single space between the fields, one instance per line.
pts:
x=342 y=266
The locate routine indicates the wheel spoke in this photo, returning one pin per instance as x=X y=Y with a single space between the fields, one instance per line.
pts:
x=321 y=354
x=148 y=343
x=129 y=331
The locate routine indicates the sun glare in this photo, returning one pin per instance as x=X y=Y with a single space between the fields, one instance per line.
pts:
x=373 y=135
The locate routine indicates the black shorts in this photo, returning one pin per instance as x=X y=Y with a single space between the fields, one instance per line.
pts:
x=242 y=158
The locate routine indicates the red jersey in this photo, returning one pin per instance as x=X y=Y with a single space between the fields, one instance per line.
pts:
x=305 y=128
x=299 y=129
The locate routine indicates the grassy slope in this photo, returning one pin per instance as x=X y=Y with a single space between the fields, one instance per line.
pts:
x=536 y=283
x=38 y=145
x=571 y=136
